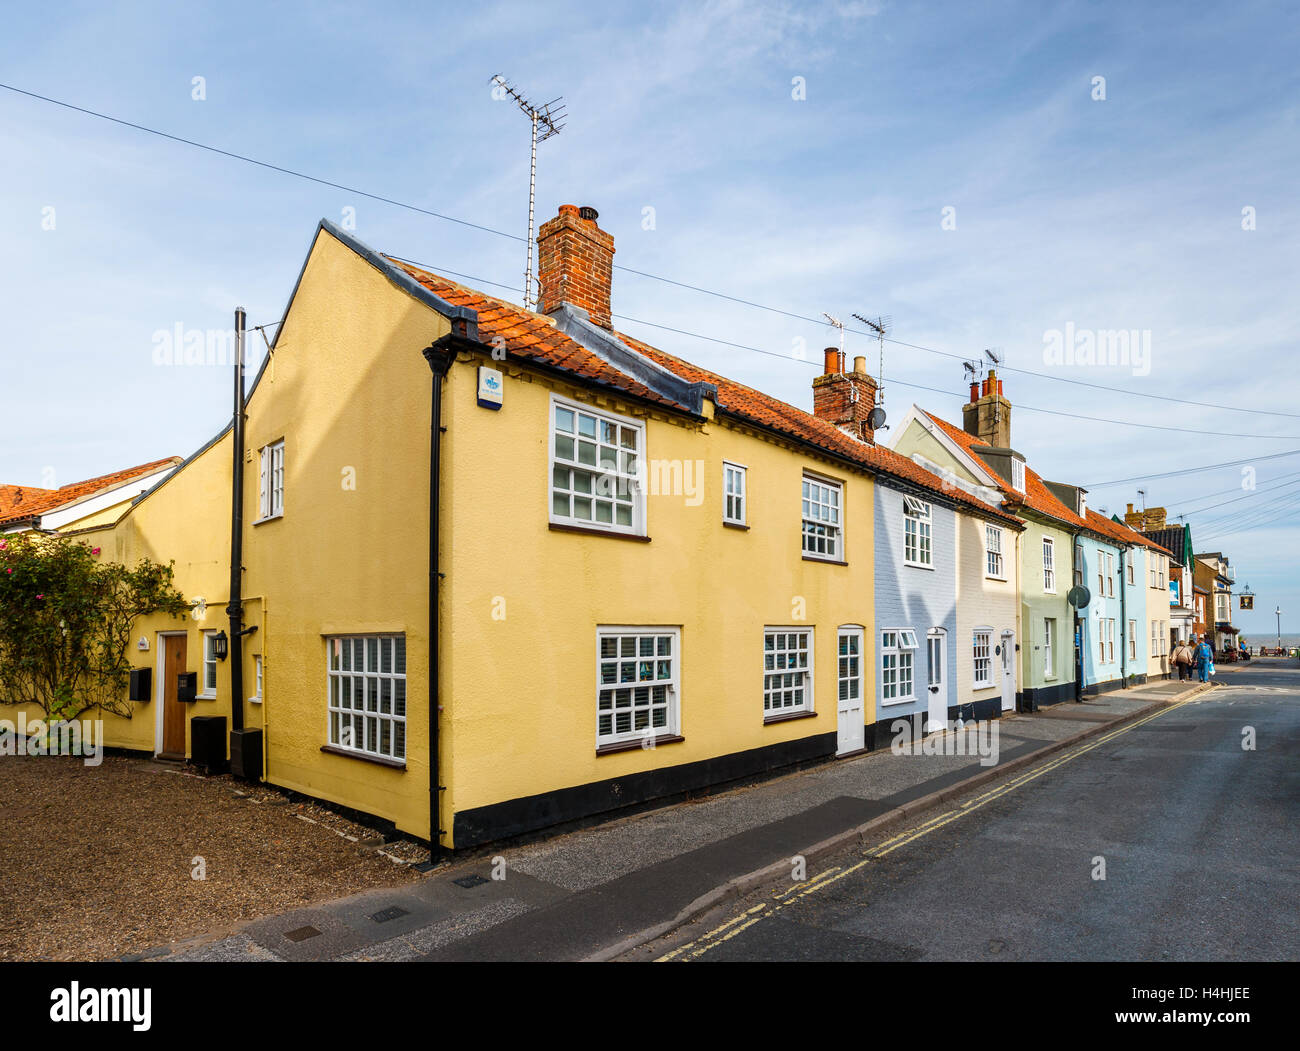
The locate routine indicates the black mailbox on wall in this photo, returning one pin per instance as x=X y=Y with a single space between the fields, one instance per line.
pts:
x=140 y=678
x=187 y=685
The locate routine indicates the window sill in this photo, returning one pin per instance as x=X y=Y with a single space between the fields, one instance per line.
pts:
x=896 y=701
x=557 y=527
x=205 y=696
x=736 y=525
x=982 y=685
x=639 y=744
x=378 y=760
x=269 y=518
x=919 y=565
x=990 y=576
x=824 y=561
x=785 y=717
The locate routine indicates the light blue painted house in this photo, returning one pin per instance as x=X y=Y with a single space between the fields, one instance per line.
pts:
x=916 y=642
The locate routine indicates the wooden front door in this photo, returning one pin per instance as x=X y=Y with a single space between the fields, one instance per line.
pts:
x=174 y=659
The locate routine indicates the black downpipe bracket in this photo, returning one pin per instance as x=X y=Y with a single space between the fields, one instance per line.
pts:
x=235 y=608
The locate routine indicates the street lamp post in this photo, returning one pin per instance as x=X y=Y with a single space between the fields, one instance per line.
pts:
x=1278 y=611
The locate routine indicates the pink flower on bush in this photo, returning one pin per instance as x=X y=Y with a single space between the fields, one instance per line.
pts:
x=40 y=596
x=94 y=550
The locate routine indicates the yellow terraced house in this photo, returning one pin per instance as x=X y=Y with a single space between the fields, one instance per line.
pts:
x=504 y=569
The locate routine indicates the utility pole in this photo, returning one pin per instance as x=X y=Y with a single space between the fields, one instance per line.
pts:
x=545 y=121
x=1278 y=611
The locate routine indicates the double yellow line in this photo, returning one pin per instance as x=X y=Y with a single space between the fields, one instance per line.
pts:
x=795 y=894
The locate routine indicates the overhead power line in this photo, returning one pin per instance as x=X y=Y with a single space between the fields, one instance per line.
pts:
x=433 y=268
x=1192 y=470
x=1251 y=495
x=626 y=269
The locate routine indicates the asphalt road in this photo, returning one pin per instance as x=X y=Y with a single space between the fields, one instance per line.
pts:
x=1197 y=834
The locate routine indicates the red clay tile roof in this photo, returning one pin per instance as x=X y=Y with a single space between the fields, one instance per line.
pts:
x=1041 y=499
x=1121 y=532
x=18 y=502
x=1037 y=496
x=529 y=336
x=534 y=337
x=760 y=408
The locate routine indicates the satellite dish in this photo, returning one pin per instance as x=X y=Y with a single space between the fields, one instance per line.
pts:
x=1079 y=596
x=877 y=418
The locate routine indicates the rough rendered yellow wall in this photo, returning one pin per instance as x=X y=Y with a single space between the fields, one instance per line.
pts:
x=349 y=392
x=520 y=699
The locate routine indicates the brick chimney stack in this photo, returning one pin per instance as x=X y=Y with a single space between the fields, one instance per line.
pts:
x=988 y=415
x=575 y=264
x=845 y=399
x=1145 y=521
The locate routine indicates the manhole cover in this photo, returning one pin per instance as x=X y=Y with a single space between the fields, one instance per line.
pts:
x=301 y=934
x=390 y=913
x=470 y=881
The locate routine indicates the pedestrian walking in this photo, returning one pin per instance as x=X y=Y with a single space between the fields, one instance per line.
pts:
x=1204 y=660
x=1183 y=660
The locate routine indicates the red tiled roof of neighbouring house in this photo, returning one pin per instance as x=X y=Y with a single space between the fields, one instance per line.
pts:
x=19 y=502
x=1122 y=533
x=535 y=338
x=1041 y=499
x=1037 y=496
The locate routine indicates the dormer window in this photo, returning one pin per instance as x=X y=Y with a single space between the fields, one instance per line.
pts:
x=1018 y=475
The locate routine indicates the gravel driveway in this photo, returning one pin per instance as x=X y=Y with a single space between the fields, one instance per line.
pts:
x=95 y=862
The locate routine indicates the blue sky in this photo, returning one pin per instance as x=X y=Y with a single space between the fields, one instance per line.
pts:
x=1118 y=213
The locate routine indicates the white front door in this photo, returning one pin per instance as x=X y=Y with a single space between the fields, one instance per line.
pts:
x=1008 y=670
x=936 y=655
x=852 y=732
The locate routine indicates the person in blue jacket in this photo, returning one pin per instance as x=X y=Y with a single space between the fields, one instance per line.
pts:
x=1204 y=658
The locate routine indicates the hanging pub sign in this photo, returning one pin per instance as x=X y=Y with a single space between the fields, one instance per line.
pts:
x=1247 y=601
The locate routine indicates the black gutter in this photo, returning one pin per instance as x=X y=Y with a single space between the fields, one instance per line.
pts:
x=235 y=608
x=439 y=354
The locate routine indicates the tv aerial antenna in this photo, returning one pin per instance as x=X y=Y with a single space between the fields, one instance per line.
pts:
x=880 y=327
x=837 y=323
x=996 y=356
x=546 y=120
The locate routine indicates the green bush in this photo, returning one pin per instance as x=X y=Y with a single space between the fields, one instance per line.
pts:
x=66 y=621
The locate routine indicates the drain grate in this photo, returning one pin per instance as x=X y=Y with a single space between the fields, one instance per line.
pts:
x=471 y=881
x=390 y=913
x=301 y=934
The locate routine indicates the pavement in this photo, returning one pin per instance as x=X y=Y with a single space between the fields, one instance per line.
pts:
x=601 y=892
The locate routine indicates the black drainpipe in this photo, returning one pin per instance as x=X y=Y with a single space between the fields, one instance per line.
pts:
x=439 y=355
x=1123 y=617
x=235 y=608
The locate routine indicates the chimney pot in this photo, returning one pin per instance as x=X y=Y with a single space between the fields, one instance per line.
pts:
x=845 y=400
